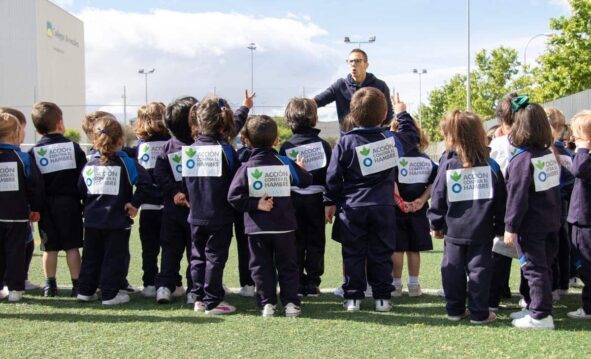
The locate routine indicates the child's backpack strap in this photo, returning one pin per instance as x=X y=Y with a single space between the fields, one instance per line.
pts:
x=130 y=167
x=295 y=179
x=23 y=157
x=516 y=152
x=496 y=169
x=229 y=155
x=399 y=148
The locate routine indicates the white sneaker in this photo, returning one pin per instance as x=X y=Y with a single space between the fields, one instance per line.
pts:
x=15 y=295
x=556 y=295
x=579 y=314
x=222 y=308
x=4 y=292
x=352 y=305
x=575 y=282
x=269 y=310
x=163 y=295
x=149 y=291
x=247 y=291
x=441 y=292
x=383 y=305
x=368 y=292
x=226 y=289
x=292 y=310
x=199 y=306
x=518 y=315
x=414 y=290
x=31 y=286
x=339 y=292
x=120 y=298
x=86 y=298
x=191 y=298
x=397 y=292
x=457 y=318
x=528 y=322
x=178 y=292
x=522 y=303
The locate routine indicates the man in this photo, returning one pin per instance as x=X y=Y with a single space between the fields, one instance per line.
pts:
x=343 y=89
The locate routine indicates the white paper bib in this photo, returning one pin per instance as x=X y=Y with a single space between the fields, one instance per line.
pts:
x=202 y=161
x=102 y=180
x=414 y=170
x=468 y=184
x=377 y=156
x=175 y=160
x=546 y=172
x=55 y=157
x=272 y=180
x=8 y=176
x=313 y=154
x=148 y=152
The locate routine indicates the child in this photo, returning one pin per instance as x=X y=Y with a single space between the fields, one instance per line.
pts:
x=152 y=135
x=579 y=214
x=21 y=195
x=360 y=181
x=301 y=116
x=107 y=185
x=60 y=161
x=532 y=219
x=261 y=189
x=416 y=173
x=467 y=209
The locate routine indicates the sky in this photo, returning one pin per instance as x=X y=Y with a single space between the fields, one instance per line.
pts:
x=199 y=47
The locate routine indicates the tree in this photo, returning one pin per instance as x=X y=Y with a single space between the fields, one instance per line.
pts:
x=72 y=135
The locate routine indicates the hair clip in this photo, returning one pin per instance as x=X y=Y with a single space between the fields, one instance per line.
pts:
x=222 y=104
x=519 y=102
x=101 y=131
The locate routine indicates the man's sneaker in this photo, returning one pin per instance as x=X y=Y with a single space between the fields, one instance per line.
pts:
x=120 y=298
x=31 y=286
x=383 y=305
x=397 y=292
x=15 y=295
x=579 y=314
x=457 y=318
x=199 y=306
x=246 y=291
x=352 y=305
x=4 y=292
x=268 y=310
x=191 y=298
x=178 y=292
x=129 y=289
x=528 y=322
x=292 y=310
x=49 y=291
x=414 y=290
x=368 y=292
x=149 y=291
x=163 y=295
x=86 y=298
x=339 y=292
x=441 y=293
x=575 y=282
x=522 y=303
x=518 y=315
x=312 y=290
x=222 y=308
x=492 y=316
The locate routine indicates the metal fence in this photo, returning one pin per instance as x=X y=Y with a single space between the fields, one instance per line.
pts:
x=572 y=104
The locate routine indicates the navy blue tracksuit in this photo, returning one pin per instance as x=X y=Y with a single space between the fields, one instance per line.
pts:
x=241 y=239
x=469 y=224
x=271 y=236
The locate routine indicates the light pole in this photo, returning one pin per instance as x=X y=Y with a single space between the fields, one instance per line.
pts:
x=468 y=90
x=420 y=73
x=525 y=50
x=146 y=73
x=371 y=40
x=252 y=46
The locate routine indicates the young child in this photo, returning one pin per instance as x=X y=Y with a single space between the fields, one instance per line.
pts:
x=467 y=210
x=60 y=161
x=21 y=195
x=532 y=218
x=579 y=214
x=261 y=189
x=416 y=173
x=107 y=183
x=152 y=136
x=360 y=181
x=301 y=116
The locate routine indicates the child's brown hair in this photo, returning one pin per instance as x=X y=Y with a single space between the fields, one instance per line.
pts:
x=150 y=121
x=531 y=128
x=423 y=137
x=465 y=135
x=557 y=123
x=46 y=116
x=108 y=137
x=212 y=116
x=301 y=113
x=16 y=113
x=581 y=125
x=368 y=107
x=504 y=110
x=261 y=131
x=9 y=125
x=89 y=121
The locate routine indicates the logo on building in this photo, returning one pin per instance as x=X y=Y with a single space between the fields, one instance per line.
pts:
x=50 y=29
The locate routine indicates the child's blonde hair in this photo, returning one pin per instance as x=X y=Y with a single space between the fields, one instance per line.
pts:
x=89 y=121
x=212 y=116
x=556 y=120
x=581 y=124
x=150 y=121
x=423 y=137
x=464 y=134
x=9 y=125
x=108 y=136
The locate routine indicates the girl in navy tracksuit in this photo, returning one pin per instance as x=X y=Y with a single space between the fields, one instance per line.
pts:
x=21 y=195
x=107 y=184
x=532 y=218
x=467 y=210
x=301 y=116
x=152 y=135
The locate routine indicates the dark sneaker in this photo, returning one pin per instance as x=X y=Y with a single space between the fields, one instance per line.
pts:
x=312 y=290
x=49 y=291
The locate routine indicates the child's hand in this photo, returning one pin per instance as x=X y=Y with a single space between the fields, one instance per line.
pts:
x=34 y=217
x=510 y=239
x=329 y=212
x=300 y=161
x=248 y=102
x=180 y=199
x=399 y=106
x=265 y=203
x=438 y=234
x=417 y=204
x=131 y=210
x=408 y=207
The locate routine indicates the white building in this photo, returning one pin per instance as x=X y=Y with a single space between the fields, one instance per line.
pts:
x=41 y=59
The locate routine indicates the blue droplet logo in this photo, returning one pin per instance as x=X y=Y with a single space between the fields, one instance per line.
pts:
x=456 y=188
x=44 y=161
x=403 y=172
x=89 y=182
x=179 y=168
x=367 y=162
x=542 y=176
x=257 y=185
x=190 y=164
x=145 y=157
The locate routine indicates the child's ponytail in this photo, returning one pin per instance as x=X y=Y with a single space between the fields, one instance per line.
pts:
x=212 y=116
x=9 y=125
x=108 y=138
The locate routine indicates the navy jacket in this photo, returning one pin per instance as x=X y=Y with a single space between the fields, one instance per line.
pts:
x=240 y=116
x=579 y=212
x=467 y=222
x=244 y=154
x=18 y=199
x=411 y=191
x=64 y=182
x=104 y=211
x=282 y=216
x=529 y=211
x=168 y=176
x=342 y=90
x=153 y=197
